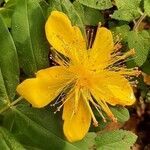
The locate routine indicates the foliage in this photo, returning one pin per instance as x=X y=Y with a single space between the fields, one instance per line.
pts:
x=118 y=140
x=127 y=10
x=139 y=41
x=24 y=50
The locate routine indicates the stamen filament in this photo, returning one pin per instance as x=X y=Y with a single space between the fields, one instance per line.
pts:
x=95 y=122
x=124 y=56
x=104 y=106
x=107 y=110
x=97 y=107
x=76 y=98
x=66 y=99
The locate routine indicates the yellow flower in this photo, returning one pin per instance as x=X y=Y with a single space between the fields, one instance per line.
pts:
x=82 y=77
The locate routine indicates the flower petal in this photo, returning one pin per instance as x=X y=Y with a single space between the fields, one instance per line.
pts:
x=114 y=89
x=64 y=37
x=48 y=83
x=76 y=124
x=102 y=48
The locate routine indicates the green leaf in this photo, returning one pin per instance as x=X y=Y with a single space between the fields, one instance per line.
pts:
x=7 y=10
x=29 y=36
x=68 y=8
x=92 y=17
x=55 y=5
x=89 y=15
x=115 y=140
x=7 y=0
x=88 y=142
x=121 y=113
x=7 y=141
x=145 y=67
x=97 y=4
x=140 y=42
x=147 y=7
x=3 y=92
x=121 y=31
x=38 y=128
x=127 y=10
x=9 y=67
x=44 y=5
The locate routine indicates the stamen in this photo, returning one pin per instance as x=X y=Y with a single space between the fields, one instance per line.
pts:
x=134 y=83
x=58 y=100
x=88 y=34
x=76 y=98
x=129 y=72
x=97 y=108
x=64 y=101
x=58 y=58
x=117 y=47
x=63 y=93
x=116 y=53
x=104 y=106
x=91 y=32
x=91 y=38
x=95 y=122
x=69 y=49
x=118 y=39
x=124 y=56
x=107 y=110
x=129 y=53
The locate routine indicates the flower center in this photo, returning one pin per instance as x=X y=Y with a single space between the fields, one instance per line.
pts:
x=83 y=76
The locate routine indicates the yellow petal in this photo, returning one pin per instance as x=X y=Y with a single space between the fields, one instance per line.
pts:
x=102 y=48
x=48 y=83
x=114 y=89
x=65 y=38
x=77 y=124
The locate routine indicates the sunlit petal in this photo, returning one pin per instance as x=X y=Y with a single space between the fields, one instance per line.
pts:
x=101 y=49
x=76 y=124
x=114 y=89
x=48 y=83
x=64 y=37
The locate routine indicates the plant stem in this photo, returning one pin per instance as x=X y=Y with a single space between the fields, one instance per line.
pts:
x=10 y=105
x=137 y=24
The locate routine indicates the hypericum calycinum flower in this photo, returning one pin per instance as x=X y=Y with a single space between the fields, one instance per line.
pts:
x=83 y=77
